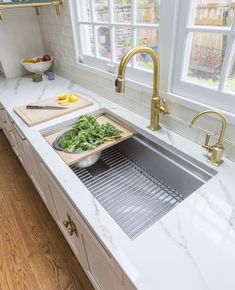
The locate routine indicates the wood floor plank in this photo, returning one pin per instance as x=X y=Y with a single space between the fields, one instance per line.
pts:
x=33 y=252
x=50 y=270
x=14 y=273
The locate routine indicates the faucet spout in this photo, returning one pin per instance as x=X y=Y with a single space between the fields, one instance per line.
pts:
x=156 y=107
x=125 y=60
x=221 y=117
x=217 y=149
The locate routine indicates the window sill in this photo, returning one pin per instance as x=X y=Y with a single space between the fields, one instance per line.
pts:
x=180 y=100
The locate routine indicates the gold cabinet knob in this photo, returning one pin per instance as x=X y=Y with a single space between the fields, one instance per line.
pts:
x=71 y=231
x=66 y=223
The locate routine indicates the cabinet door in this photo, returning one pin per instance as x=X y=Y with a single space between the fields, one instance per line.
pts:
x=5 y=121
x=128 y=284
x=1 y=117
x=12 y=140
x=47 y=183
x=19 y=139
x=33 y=162
x=66 y=218
x=100 y=265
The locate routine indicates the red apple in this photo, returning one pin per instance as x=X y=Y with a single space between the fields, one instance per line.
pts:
x=46 y=57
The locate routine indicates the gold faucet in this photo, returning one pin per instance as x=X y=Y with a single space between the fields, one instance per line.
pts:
x=157 y=107
x=216 y=151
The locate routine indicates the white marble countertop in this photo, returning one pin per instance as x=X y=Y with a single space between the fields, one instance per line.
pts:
x=192 y=247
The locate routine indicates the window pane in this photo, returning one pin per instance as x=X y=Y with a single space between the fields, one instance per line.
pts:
x=146 y=37
x=122 y=41
x=214 y=12
x=230 y=83
x=122 y=11
x=206 y=58
x=148 y=11
x=88 y=39
x=84 y=11
x=103 y=39
x=101 y=10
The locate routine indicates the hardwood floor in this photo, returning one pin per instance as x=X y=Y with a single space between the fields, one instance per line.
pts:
x=33 y=253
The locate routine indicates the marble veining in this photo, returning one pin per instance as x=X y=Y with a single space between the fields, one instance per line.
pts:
x=183 y=244
x=192 y=247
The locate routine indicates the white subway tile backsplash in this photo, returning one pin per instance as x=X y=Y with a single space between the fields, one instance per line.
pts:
x=58 y=41
x=232 y=153
x=205 y=122
x=180 y=127
x=177 y=111
x=230 y=132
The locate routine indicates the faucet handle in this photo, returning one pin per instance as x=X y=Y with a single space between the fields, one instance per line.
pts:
x=206 y=144
x=164 y=107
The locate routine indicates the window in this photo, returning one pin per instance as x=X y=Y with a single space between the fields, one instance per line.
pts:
x=205 y=56
x=195 y=40
x=108 y=29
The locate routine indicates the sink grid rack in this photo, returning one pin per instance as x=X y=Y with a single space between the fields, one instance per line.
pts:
x=133 y=198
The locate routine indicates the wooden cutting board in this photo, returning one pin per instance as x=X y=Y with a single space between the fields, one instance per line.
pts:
x=71 y=158
x=34 y=117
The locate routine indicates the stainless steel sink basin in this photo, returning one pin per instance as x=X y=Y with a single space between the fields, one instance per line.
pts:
x=138 y=182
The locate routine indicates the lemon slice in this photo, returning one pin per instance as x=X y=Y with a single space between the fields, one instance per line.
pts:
x=63 y=102
x=62 y=97
x=73 y=98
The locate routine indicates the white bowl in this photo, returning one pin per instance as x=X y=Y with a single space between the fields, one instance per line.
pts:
x=38 y=67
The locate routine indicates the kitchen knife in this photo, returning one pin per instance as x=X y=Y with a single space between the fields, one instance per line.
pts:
x=45 y=107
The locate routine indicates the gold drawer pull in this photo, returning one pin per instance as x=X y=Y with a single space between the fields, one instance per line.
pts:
x=70 y=225
x=68 y=222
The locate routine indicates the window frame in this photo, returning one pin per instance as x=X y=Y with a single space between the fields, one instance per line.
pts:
x=102 y=64
x=219 y=99
x=169 y=34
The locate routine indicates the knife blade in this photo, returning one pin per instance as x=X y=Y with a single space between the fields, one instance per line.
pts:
x=45 y=107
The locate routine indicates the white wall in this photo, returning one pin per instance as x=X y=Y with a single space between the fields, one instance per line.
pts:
x=58 y=40
x=20 y=37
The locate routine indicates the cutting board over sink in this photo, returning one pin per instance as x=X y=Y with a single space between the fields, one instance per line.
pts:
x=34 y=117
x=71 y=158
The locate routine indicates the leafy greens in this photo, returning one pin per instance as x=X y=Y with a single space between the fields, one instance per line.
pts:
x=87 y=134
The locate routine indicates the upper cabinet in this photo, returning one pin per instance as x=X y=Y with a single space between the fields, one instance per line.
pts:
x=8 y=4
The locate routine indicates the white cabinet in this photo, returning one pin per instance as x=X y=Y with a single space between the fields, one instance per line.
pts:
x=100 y=267
x=19 y=139
x=5 y=124
x=98 y=264
x=29 y=159
x=64 y=215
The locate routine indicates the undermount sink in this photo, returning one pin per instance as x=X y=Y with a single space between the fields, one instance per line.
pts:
x=138 y=181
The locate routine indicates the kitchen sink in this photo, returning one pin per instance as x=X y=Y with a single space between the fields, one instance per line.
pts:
x=138 y=181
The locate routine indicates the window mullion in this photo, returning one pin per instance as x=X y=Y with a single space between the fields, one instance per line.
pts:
x=79 y=33
x=92 y=5
x=227 y=58
x=187 y=50
x=209 y=29
x=133 y=30
x=111 y=30
x=123 y=24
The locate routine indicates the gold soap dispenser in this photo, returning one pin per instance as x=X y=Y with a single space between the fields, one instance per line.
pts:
x=216 y=150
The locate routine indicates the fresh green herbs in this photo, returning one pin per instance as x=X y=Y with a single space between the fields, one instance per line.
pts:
x=87 y=134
